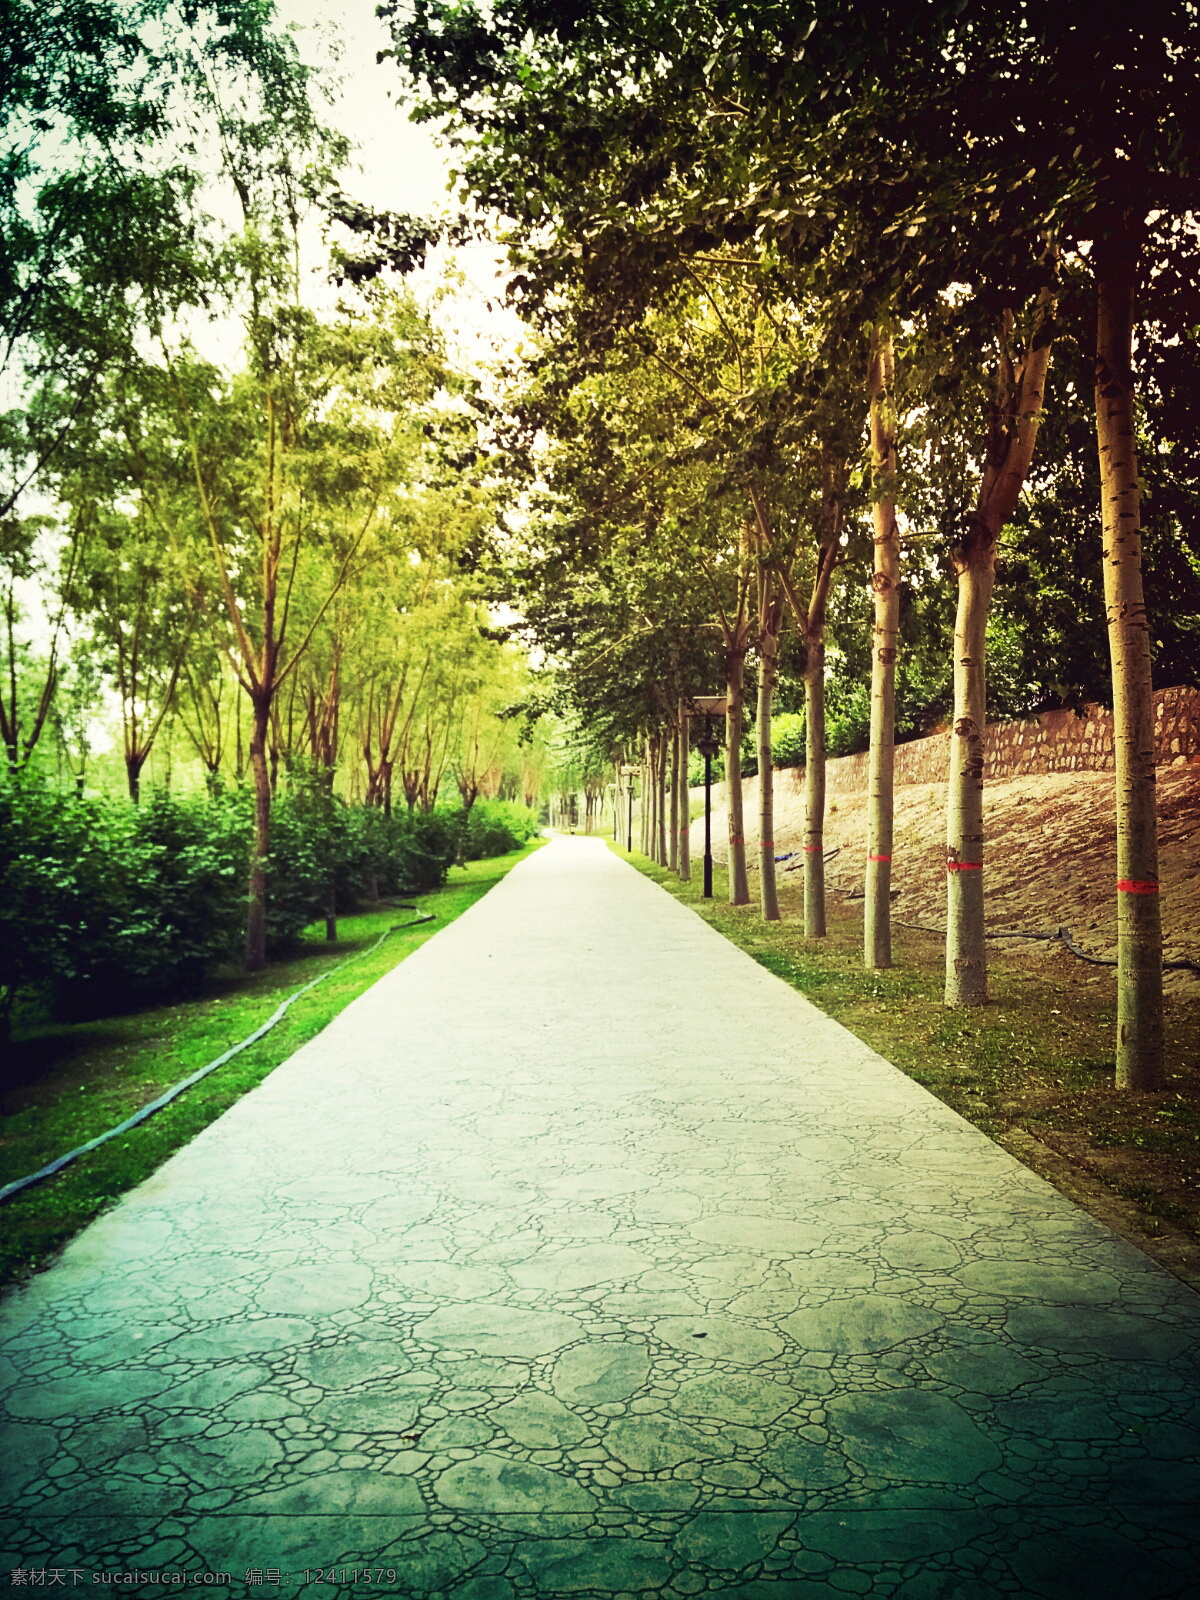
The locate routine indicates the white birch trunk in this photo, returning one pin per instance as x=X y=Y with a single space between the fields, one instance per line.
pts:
x=739 y=886
x=673 y=842
x=877 y=908
x=1139 y=1054
x=685 y=817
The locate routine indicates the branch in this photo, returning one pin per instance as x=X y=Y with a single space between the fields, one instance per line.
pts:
x=230 y=598
x=329 y=598
x=737 y=349
x=682 y=376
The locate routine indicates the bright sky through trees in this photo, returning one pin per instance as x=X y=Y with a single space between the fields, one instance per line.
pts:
x=398 y=166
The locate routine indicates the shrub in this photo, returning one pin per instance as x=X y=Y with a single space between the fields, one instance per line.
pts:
x=368 y=854
x=423 y=847
x=192 y=879
x=787 y=739
x=848 y=717
x=304 y=849
x=493 y=827
x=106 y=905
x=110 y=904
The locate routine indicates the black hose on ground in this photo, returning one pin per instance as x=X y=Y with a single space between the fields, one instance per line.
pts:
x=1061 y=936
x=48 y=1171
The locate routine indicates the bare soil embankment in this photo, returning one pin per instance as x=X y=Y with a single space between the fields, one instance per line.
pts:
x=1050 y=853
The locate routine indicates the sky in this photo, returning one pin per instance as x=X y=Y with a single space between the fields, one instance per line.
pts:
x=399 y=166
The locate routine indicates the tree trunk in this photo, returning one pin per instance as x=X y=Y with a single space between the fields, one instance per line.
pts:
x=877 y=908
x=256 y=909
x=735 y=673
x=768 y=894
x=966 y=957
x=673 y=841
x=685 y=798
x=648 y=805
x=647 y=799
x=464 y=824
x=1012 y=434
x=1140 y=1063
x=656 y=800
x=662 y=854
x=652 y=800
x=814 y=791
x=133 y=773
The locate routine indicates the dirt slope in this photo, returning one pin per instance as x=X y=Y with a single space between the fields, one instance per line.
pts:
x=1050 y=853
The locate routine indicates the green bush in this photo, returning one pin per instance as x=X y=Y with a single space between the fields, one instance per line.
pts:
x=787 y=739
x=494 y=827
x=192 y=878
x=847 y=717
x=106 y=905
x=368 y=854
x=422 y=848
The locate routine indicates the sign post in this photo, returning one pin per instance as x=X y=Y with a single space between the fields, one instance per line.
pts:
x=709 y=706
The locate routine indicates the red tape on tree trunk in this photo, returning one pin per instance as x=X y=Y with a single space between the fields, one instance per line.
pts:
x=1134 y=886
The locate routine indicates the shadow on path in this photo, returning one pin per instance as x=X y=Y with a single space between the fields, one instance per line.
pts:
x=581 y=1256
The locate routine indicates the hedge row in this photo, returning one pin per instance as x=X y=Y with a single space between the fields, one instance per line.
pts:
x=106 y=905
x=494 y=827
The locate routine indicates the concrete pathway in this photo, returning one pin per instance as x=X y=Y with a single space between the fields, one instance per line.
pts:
x=581 y=1256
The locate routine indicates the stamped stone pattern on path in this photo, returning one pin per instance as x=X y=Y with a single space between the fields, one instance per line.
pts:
x=583 y=1257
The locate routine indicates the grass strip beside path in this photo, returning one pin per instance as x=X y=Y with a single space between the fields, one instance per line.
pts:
x=1033 y=1069
x=63 y=1085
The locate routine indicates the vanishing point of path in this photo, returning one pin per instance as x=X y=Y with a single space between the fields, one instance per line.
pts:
x=581 y=1256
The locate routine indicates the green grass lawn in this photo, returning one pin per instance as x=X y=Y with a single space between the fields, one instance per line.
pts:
x=63 y=1085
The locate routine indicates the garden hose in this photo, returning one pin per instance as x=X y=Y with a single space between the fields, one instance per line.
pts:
x=165 y=1099
x=1061 y=936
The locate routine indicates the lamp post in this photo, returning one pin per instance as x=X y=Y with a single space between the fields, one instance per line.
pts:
x=627 y=773
x=710 y=706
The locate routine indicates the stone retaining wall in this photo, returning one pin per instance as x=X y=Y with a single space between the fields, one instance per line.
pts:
x=1055 y=741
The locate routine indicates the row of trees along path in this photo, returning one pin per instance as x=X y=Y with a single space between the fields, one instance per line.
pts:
x=275 y=551
x=721 y=219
